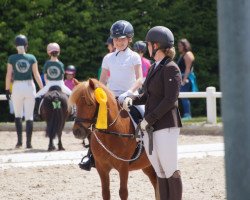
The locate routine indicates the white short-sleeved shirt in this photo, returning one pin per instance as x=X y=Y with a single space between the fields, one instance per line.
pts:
x=122 y=72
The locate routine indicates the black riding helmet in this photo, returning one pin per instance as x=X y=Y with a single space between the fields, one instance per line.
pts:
x=21 y=40
x=109 y=41
x=121 y=29
x=70 y=69
x=140 y=46
x=161 y=35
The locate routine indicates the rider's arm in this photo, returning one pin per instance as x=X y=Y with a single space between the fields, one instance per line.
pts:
x=8 y=76
x=104 y=76
x=37 y=75
x=138 y=74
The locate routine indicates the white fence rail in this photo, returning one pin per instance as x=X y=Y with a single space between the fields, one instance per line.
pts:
x=210 y=96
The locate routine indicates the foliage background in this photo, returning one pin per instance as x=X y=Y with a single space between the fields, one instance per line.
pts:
x=82 y=27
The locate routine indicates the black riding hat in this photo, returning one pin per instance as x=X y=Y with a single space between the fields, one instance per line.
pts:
x=21 y=40
x=109 y=41
x=140 y=46
x=121 y=29
x=161 y=35
x=70 y=69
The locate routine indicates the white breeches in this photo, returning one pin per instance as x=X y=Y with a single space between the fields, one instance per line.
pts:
x=23 y=98
x=60 y=83
x=164 y=155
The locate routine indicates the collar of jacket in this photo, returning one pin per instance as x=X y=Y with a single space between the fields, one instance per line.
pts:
x=164 y=62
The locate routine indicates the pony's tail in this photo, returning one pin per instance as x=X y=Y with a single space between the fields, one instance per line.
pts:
x=54 y=124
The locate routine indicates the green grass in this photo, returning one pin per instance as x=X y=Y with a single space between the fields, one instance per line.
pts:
x=198 y=120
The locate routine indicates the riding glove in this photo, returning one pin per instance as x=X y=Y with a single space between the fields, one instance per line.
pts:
x=7 y=94
x=143 y=124
x=124 y=95
x=127 y=103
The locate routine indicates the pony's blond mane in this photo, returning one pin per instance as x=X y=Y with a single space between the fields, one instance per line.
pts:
x=84 y=89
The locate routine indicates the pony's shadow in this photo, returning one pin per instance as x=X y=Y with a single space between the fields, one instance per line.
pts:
x=35 y=150
x=25 y=151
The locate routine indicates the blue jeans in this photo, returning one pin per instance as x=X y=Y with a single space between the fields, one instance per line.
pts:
x=185 y=102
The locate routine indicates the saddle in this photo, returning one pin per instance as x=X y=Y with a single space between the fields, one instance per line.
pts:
x=50 y=95
x=55 y=87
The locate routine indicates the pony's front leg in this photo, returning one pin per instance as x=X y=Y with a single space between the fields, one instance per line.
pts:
x=103 y=172
x=123 y=173
x=51 y=145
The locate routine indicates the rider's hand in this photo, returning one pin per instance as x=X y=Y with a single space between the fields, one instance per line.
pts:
x=144 y=123
x=7 y=94
x=127 y=103
x=123 y=96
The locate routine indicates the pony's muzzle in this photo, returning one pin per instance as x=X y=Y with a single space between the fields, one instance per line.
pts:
x=81 y=132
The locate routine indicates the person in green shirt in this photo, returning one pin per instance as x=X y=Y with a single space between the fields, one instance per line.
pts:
x=22 y=66
x=53 y=71
x=111 y=48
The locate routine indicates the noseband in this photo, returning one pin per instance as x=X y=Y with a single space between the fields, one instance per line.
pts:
x=79 y=120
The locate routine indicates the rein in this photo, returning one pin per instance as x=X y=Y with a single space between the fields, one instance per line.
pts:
x=93 y=128
x=137 y=135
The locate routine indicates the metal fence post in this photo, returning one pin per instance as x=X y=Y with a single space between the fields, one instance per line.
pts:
x=211 y=105
x=234 y=51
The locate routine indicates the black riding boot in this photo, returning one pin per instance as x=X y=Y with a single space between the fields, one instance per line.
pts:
x=87 y=161
x=29 y=130
x=175 y=186
x=163 y=188
x=37 y=117
x=19 y=130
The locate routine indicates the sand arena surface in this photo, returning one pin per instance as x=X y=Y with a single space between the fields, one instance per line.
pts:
x=202 y=178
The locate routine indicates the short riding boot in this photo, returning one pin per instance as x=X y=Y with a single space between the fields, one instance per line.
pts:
x=29 y=130
x=87 y=161
x=19 y=130
x=163 y=188
x=37 y=117
x=175 y=186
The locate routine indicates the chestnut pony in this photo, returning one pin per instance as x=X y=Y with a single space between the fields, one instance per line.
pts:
x=111 y=146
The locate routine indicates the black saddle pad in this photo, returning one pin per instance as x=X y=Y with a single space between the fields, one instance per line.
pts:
x=55 y=87
x=136 y=115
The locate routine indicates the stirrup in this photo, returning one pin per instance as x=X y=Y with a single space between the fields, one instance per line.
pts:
x=87 y=162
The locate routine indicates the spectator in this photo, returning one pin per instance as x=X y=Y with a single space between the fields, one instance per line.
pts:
x=70 y=80
x=111 y=48
x=141 y=47
x=185 y=63
x=22 y=65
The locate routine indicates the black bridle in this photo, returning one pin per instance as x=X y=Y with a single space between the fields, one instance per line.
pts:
x=92 y=122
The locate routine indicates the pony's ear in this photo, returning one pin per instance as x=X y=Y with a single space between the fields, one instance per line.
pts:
x=76 y=82
x=92 y=84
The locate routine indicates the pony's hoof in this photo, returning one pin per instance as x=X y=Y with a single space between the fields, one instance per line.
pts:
x=18 y=145
x=51 y=148
x=61 y=149
x=29 y=146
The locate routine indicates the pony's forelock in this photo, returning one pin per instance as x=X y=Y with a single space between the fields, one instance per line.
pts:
x=83 y=89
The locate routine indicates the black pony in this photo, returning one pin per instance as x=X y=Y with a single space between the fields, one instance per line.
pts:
x=54 y=111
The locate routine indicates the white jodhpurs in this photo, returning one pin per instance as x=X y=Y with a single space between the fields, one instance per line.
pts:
x=164 y=155
x=60 y=83
x=23 y=98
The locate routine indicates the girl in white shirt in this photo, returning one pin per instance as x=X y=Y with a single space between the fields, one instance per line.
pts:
x=124 y=64
x=125 y=70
